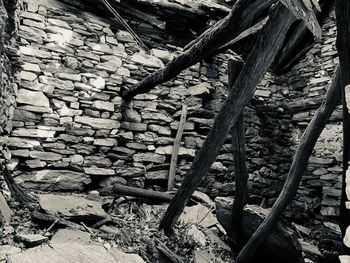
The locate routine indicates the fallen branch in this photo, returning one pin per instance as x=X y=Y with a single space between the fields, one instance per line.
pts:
x=176 y=148
x=267 y=46
x=119 y=189
x=296 y=170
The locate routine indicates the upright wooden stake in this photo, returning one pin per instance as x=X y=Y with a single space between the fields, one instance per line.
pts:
x=268 y=44
x=239 y=157
x=176 y=148
x=342 y=9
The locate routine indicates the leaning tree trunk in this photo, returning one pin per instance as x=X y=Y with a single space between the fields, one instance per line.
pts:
x=241 y=17
x=343 y=46
x=296 y=170
x=270 y=41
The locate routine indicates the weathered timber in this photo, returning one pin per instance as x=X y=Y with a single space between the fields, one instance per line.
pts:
x=119 y=189
x=303 y=9
x=239 y=157
x=300 y=161
x=250 y=31
x=268 y=44
x=342 y=9
x=148 y=18
x=241 y=17
x=176 y=148
x=295 y=46
x=281 y=245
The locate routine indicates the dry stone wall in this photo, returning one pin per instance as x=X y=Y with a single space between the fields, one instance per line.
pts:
x=71 y=129
x=73 y=132
x=294 y=98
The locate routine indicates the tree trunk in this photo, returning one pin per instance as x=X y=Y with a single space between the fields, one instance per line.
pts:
x=239 y=157
x=296 y=170
x=268 y=44
x=241 y=17
x=343 y=46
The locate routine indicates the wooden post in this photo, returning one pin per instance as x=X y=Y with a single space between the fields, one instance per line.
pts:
x=239 y=157
x=342 y=9
x=270 y=41
x=176 y=148
x=296 y=170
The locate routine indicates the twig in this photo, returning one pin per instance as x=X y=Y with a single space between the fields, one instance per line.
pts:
x=206 y=214
x=52 y=225
x=127 y=27
x=87 y=228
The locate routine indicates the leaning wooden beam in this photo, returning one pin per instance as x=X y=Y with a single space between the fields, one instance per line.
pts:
x=303 y=9
x=176 y=148
x=127 y=27
x=241 y=17
x=268 y=44
x=250 y=31
x=257 y=7
x=239 y=157
x=296 y=170
x=342 y=9
x=119 y=189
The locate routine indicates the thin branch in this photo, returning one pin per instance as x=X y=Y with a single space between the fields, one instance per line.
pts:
x=126 y=26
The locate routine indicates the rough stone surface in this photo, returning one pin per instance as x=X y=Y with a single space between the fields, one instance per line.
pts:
x=54 y=180
x=69 y=103
x=35 y=98
x=71 y=206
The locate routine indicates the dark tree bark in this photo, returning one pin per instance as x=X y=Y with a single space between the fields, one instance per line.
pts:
x=239 y=157
x=268 y=44
x=241 y=17
x=343 y=46
x=296 y=170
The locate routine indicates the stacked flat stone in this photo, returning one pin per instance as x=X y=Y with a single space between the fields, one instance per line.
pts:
x=72 y=130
